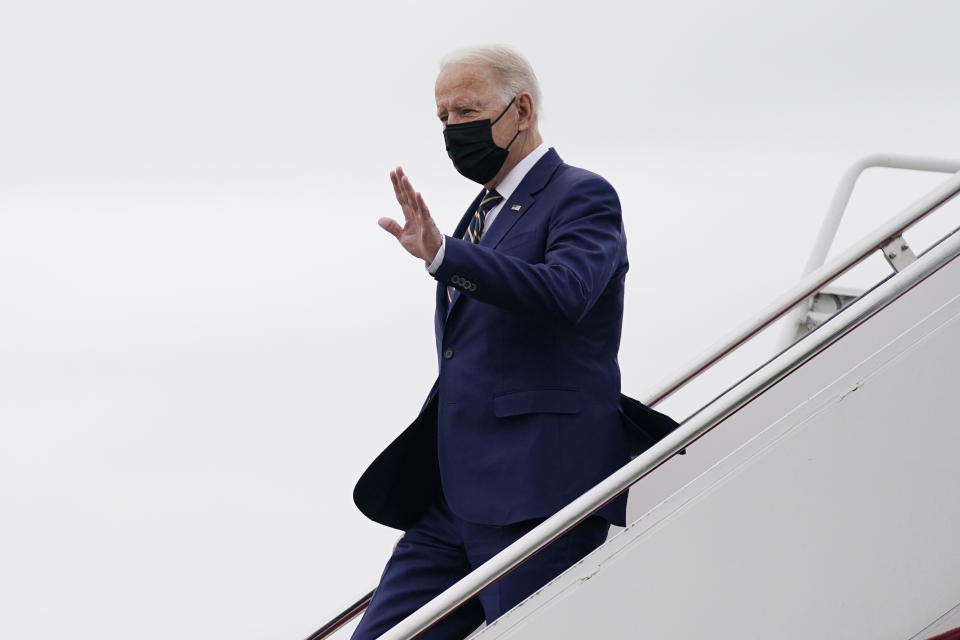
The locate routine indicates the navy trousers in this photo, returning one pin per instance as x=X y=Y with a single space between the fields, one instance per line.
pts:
x=442 y=548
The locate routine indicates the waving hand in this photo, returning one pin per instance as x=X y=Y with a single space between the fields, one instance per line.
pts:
x=419 y=234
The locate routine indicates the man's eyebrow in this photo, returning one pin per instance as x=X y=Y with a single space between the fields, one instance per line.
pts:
x=461 y=105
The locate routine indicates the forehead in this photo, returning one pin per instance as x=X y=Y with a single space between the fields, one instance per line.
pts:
x=461 y=82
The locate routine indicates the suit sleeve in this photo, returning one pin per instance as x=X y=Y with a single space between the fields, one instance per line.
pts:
x=584 y=246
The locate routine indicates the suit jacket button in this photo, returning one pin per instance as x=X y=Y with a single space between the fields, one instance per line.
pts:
x=447 y=353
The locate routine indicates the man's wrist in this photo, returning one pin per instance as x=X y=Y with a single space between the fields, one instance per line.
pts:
x=434 y=264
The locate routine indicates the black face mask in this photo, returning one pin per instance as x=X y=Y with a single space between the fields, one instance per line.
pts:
x=471 y=147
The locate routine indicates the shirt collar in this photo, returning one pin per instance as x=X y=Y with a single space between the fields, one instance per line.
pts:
x=516 y=175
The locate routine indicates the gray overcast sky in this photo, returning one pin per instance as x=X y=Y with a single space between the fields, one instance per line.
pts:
x=205 y=337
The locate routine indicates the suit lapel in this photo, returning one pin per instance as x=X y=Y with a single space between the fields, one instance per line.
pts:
x=521 y=200
x=513 y=209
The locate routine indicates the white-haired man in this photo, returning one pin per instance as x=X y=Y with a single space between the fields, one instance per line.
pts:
x=525 y=414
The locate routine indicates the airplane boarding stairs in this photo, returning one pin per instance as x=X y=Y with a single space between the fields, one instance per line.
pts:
x=830 y=507
x=841 y=519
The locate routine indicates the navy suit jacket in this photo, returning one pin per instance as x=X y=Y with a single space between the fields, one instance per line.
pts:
x=526 y=413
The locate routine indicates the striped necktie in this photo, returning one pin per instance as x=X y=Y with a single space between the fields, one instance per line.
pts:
x=475 y=229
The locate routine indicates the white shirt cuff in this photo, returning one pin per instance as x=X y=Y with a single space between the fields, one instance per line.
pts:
x=437 y=259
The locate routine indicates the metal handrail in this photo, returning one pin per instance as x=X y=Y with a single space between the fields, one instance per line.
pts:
x=841 y=197
x=342 y=618
x=810 y=285
x=838 y=206
x=690 y=431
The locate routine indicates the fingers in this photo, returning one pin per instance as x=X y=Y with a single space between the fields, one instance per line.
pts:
x=408 y=192
x=418 y=209
x=422 y=206
x=407 y=189
x=411 y=201
x=400 y=184
x=410 y=195
x=395 y=179
x=391 y=226
x=406 y=196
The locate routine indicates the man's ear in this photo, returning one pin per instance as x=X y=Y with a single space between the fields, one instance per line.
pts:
x=524 y=104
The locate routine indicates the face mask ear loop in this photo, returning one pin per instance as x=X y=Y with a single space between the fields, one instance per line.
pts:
x=512 y=139
x=504 y=111
x=512 y=100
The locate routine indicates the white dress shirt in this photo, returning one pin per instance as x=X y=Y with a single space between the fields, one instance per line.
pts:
x=506 y=188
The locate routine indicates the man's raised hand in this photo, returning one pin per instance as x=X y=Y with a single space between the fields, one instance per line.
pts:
x=419 y=234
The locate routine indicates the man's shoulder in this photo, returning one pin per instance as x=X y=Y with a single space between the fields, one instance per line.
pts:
x=554 y=181
x=571 y=176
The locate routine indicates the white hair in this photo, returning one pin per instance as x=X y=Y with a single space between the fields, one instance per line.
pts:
x=512 y=70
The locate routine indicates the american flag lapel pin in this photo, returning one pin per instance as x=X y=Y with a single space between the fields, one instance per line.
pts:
x=515 y=207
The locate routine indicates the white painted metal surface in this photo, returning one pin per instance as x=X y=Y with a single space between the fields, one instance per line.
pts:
x=947 y=622
x=839 y=520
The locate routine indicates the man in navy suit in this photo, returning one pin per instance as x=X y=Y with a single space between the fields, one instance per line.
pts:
x=525 y=415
